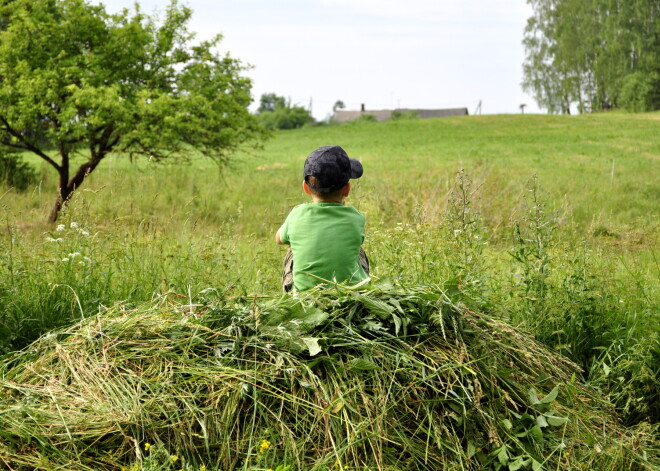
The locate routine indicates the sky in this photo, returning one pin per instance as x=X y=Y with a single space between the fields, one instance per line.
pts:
x=385 y=54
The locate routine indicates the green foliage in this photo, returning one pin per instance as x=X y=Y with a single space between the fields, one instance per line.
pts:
x=397 y=115
x=125 y=84
x=15 y=172
x=640 y=92
x=276 y=112
x=365 y=118
x=590 y=53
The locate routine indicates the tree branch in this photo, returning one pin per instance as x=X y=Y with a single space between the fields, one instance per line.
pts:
x=26 y=145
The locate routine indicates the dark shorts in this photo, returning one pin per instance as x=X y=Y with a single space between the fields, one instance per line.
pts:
x=287 y=274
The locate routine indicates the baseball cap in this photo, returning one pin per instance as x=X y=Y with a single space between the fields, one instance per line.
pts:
x=332 y=167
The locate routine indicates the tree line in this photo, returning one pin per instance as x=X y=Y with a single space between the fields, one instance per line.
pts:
x=593 y=55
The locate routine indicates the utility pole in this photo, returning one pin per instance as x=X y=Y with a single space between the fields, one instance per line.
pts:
x=478 y=110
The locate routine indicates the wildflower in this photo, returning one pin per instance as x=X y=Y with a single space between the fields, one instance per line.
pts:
x=60 y=227
x=65 y=259
x=83 y=232
x=598 y=448
x=202 y=468
x=51 y=239
x=74 y=254
x=147 y=446
x=74 y=225
x=174 y=458
x=263 y=446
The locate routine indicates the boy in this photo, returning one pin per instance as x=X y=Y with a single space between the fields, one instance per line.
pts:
x=325 y=236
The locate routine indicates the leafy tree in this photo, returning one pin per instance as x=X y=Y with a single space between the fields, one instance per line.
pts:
x=77 y=84
x=276 y=112
x=271 y=102
x=339 y=105
x=593 y=53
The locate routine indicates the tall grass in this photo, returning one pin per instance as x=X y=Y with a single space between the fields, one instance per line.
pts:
x=552 y=224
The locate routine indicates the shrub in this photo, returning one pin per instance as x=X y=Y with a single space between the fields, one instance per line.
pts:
x=14 y=172
x=639 y=92
x=399 y=115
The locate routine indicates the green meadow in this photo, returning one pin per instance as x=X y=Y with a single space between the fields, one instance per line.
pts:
x=550 y=224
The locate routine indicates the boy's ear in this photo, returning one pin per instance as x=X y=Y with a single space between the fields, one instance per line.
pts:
x=306 y=188
x=346 y=190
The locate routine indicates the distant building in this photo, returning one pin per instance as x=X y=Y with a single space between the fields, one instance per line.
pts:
x=342 y=116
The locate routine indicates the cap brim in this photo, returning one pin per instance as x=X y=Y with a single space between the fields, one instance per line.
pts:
x=356 y=168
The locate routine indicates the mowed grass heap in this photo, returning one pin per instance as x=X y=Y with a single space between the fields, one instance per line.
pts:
x=385 y=379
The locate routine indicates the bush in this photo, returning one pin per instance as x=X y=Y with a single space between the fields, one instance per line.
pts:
x=639 y=92
x=285 y=118
x=398 y=115
x=14 y=172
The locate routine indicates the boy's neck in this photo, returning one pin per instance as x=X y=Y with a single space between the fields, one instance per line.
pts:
x=339 y=200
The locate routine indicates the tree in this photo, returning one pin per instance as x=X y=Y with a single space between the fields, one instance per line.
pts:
x=271 y=102
x=276 y=112
x=596 y=54
x=339 y=105
x=77 y=84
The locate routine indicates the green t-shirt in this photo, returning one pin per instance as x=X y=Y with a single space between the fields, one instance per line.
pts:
x=325 y=239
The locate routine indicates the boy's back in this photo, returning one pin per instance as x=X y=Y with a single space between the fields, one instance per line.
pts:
x=325 y=239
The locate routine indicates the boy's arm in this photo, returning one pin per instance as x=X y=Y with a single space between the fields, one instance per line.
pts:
x=277 y=237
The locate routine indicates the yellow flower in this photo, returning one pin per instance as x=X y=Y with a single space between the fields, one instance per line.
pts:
x=174 y=458
x=202 y=468
x=265 y=445
x=147 y=446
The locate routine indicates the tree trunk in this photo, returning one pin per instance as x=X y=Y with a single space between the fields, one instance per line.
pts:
x=67 y=188
x=62 y=188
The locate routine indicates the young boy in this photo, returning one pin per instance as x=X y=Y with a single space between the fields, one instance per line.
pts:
x=325 y=236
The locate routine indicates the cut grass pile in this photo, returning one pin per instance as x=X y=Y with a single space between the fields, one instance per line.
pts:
x=375 y=377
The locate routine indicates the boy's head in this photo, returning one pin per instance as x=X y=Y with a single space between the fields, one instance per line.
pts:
x=328 y=169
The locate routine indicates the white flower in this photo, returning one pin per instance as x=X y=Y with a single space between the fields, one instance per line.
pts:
x=74 y=225
x=83 y=232
x=65 y=259
x=60 y=227
x=81 y=263
x=74 y=254
x=598 y=448
x=50 y=239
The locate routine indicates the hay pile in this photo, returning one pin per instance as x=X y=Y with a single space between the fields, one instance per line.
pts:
x=383 y=379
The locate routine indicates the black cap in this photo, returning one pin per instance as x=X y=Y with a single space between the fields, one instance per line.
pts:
x=332 y=167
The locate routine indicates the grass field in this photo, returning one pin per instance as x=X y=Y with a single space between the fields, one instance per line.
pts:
x=548 y=222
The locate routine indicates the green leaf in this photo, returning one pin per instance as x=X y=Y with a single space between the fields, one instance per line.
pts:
x=518 y=463
x=551 y=396
x=507 y=424
x=503 y=455
x=312 y=344
x=533 y=397
x=541 y=422
x=536 y=433
x=397 y=323
x=556 y=421
x=471 y=449
x=362 y=364
x=536 y=466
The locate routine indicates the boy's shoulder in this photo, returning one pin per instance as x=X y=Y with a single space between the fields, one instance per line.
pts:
x=331 y=210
